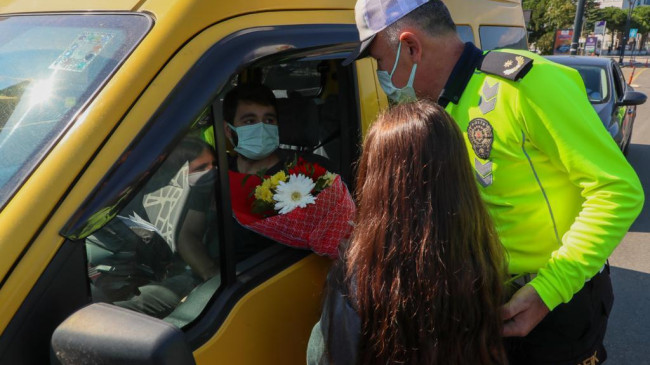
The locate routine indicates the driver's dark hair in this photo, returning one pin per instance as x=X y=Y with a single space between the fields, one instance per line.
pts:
x=249 y=92
x=432 y=17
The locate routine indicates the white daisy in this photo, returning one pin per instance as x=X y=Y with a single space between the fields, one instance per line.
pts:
x=294 y=193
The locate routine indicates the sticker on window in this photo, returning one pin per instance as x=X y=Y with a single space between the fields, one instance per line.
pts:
x=82 y=51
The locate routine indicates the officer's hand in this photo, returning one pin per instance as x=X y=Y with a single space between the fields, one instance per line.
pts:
x=523 y=312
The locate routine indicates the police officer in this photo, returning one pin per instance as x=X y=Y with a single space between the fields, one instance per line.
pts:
x=560 y=192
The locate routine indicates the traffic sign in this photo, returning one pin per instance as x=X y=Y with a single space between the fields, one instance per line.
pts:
x=600 y=27
x=590 y=45
x=633 y=32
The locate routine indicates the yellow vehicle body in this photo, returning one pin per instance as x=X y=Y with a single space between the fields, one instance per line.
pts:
x=270 y=321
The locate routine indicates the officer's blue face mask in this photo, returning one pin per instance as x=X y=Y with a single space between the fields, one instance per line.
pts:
x=256 y=141
x=397 y=95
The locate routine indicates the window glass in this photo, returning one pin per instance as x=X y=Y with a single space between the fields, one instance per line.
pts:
x=604 y=84
x=619 y=82
x=303 y=78
x=595 y=79
x=496 y=37
x=50 y=66
x=465 y=33
x=164 y=243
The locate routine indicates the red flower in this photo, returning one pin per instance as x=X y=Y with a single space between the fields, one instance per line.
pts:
x=312 y=170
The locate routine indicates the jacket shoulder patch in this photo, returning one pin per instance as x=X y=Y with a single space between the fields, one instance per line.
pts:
x=480 y=135
x=507 y=65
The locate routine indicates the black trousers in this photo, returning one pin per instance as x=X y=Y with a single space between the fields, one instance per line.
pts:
x=572 y=333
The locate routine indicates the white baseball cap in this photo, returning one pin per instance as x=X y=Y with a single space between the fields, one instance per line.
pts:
x=373 y=16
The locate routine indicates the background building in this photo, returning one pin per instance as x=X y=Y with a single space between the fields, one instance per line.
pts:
x=623 y=4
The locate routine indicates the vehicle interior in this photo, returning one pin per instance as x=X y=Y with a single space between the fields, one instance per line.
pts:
x=595 y=79
x=317 y=115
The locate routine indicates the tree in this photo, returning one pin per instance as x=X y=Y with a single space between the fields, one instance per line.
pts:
x=536 y=26
x=641 y=21
x=641 y=18
x=592 y=15
x=547 y=16
x=615 y=18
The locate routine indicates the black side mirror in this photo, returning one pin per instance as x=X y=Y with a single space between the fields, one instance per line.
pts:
x=632 y=98
x=105 y=334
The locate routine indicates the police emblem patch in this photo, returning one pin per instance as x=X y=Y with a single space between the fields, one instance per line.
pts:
x=508 y=65
x=479 y=132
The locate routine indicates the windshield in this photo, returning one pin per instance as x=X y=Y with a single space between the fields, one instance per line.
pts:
x=50 y=67
x=496 y=37
x=595 y=79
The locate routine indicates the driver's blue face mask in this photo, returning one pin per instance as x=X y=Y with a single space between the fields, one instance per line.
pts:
x=397 y=95
x=256 y=141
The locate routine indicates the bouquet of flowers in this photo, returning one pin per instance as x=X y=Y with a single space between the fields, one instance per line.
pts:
x=303 y=206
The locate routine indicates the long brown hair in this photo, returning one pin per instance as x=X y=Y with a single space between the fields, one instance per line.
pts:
x=424 y=266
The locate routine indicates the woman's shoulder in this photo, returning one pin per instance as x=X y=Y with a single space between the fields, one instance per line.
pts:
x=340 y=323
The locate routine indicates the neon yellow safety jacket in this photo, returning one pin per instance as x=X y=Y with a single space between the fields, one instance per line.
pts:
x=560 y=192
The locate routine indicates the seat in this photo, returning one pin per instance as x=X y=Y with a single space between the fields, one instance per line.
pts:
x=194 y=303
x=136 y=246
x=299 y=122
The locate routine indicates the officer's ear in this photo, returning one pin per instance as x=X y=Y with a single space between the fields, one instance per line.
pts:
x=412 y=44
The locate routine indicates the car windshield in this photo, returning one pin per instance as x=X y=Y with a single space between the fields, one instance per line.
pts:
x=595 y=79
x=50 y=67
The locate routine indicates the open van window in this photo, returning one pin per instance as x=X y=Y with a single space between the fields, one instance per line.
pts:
x=139 y=259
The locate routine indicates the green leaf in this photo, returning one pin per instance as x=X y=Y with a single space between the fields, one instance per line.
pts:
x=243 y=181
x=260 y=206
x=320 y=185
x=262 y=173
x=292 y=163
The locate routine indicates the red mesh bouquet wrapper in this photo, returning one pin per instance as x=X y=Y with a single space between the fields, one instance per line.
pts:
x=320 y=227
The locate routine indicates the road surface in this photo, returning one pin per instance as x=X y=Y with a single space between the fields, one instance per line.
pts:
x=628 y=336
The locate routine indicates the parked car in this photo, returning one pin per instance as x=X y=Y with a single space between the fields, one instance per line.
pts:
x=94 y=97
x=613 y=99
x=565 y=48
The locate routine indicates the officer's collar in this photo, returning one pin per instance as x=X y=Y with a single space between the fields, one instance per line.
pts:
x=469 y=60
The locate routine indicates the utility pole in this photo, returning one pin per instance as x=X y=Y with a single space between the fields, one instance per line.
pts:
x=626 y=35
x=577 y=27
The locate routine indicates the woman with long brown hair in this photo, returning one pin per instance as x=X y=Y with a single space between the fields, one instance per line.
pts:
x=422 y=279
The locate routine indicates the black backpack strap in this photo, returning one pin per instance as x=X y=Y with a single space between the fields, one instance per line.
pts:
x=507 y=65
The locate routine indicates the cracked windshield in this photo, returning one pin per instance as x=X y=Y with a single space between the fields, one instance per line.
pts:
x=50 y=66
